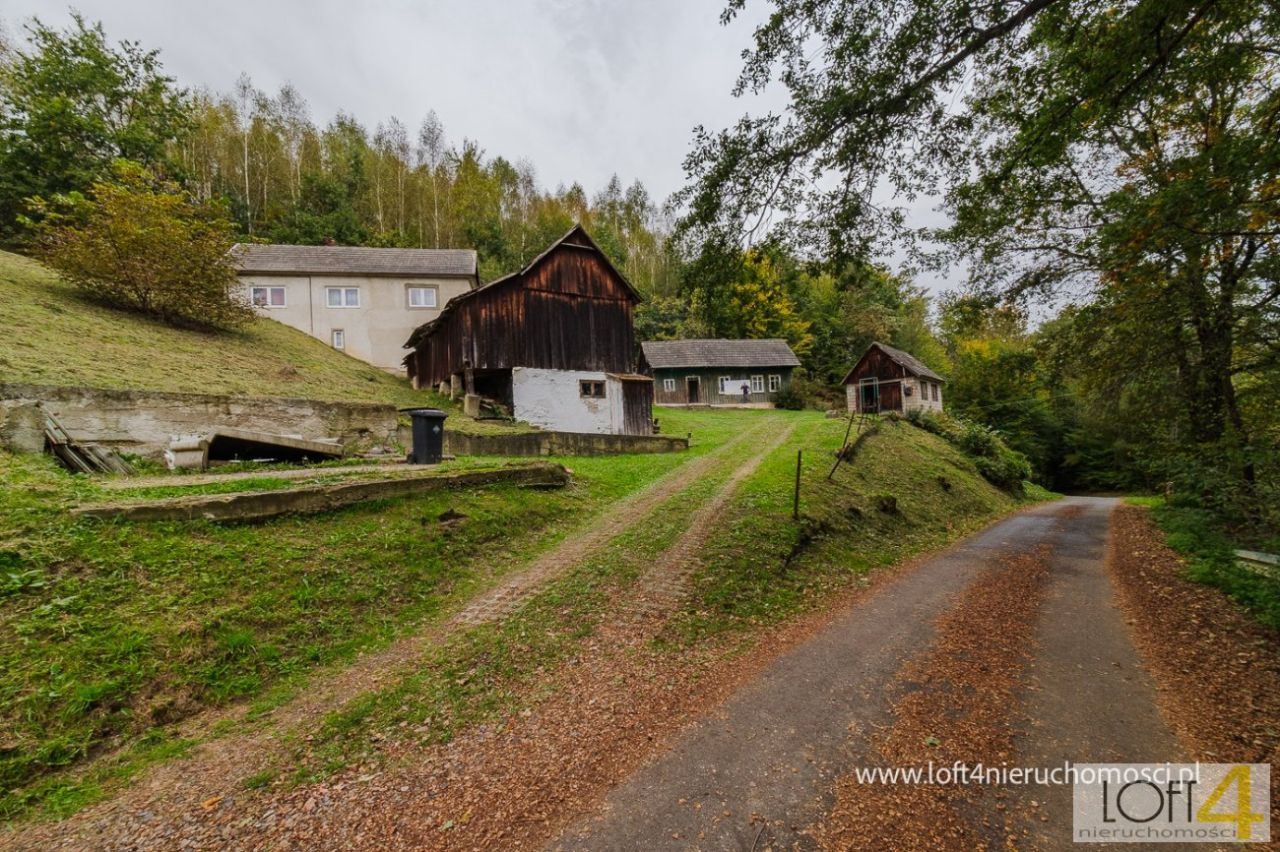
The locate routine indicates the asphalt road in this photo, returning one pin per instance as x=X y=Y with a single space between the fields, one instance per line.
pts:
x=760 y=769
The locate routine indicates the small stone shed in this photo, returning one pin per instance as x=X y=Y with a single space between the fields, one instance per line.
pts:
x=719 y=372
x=888 y=379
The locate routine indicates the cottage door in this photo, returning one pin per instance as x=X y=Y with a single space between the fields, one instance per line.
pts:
x=693 y=389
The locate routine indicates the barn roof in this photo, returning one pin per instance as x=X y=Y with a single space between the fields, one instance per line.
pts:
x=251 y=258
x=906 y=360
x=663 y=354
x=584 y=242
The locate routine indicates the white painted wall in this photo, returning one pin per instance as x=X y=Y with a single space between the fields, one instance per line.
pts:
x=374 y=332
x=551 y=399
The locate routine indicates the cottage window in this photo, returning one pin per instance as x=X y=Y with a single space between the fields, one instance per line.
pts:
x=775 y=383
x=342 y=297
x=935 y=392
x=268 y=297
x=591 y=390
x=757 y=384
x=669 y=385
x=728 y=386
x=906 y=390
x=422 y=297
x=339 y=338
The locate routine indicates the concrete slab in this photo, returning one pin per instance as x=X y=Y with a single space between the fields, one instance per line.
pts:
x=261 y=505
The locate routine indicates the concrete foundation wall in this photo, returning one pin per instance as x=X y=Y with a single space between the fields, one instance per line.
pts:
x=559 y=444
x=552 y=399
x=143 y=422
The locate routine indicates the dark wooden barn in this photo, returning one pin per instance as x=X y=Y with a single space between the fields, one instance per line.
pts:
x=554 y=343
x=888 y=379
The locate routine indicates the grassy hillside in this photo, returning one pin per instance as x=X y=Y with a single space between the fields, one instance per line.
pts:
x=53 y=337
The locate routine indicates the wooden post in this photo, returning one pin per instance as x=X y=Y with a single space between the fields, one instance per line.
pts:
x=795 y=507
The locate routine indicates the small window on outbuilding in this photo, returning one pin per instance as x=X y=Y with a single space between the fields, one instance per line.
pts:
x=591 y=389
x=669 y=385
x=935 y=393
x=757 y=384
x=775 y=382
x=339 y=338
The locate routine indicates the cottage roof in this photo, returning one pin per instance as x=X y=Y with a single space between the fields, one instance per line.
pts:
x=251 y=258
x=906 y=360
x=664 y=354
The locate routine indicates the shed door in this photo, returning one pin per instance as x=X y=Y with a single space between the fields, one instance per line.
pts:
x=869 y=399
x=693 y=386
x=637 y=408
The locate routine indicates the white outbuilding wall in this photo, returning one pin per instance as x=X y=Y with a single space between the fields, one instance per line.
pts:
x=552 y=399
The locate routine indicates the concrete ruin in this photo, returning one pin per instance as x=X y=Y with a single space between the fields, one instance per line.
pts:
x=146 y=422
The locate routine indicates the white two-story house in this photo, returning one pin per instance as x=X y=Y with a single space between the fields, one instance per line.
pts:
x=364 y=301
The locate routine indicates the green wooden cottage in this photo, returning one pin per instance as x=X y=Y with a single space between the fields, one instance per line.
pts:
x=718 y=372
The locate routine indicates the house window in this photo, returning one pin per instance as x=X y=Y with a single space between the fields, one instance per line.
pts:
x=757 y=384
x=591 y=390
x=342 y=297
x=775 y=383
x=935 y=392
x=726 y=386
x=907 y=389
x=422 y=297
x=268 y=297
x=339 y=338
x=669 y=385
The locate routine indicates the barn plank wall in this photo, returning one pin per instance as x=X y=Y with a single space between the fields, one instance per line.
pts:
x=878 y=365
x=569 y=311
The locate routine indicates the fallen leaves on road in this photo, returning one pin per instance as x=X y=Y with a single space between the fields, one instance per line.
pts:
x=956 y=703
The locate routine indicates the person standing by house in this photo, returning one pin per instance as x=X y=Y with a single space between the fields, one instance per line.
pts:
x=746 y=392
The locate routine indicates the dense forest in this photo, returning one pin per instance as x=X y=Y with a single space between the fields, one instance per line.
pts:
x=1148 y=208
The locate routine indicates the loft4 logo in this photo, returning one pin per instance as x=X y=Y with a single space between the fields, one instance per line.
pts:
x=1171 y=803
x=1243 y=817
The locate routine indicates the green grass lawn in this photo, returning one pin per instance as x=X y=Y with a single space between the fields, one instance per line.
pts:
x=110 y=633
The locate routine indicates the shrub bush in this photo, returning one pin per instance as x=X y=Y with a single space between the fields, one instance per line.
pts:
x=145 y=245
x=999 y=465
x=789 y=397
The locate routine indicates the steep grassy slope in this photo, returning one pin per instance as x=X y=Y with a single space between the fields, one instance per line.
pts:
x=53 y=337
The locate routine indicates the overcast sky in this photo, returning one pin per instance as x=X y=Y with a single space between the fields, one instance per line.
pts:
x=581 y=88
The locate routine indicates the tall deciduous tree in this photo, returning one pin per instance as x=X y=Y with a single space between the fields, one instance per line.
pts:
x=71 y=103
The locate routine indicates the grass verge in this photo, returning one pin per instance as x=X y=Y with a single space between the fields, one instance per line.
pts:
x=1198 y=537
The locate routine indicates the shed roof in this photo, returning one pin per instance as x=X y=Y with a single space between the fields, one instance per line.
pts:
x=251 y=258
x=663 y=354
x=906 y=360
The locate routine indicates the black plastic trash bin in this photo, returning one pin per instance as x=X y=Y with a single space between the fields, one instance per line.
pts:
x=428 y=435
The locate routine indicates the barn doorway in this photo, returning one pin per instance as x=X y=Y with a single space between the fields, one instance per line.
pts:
x=869 y=391
x=693 y=389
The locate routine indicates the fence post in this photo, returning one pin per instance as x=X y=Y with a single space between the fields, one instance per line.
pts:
x=795 y=506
